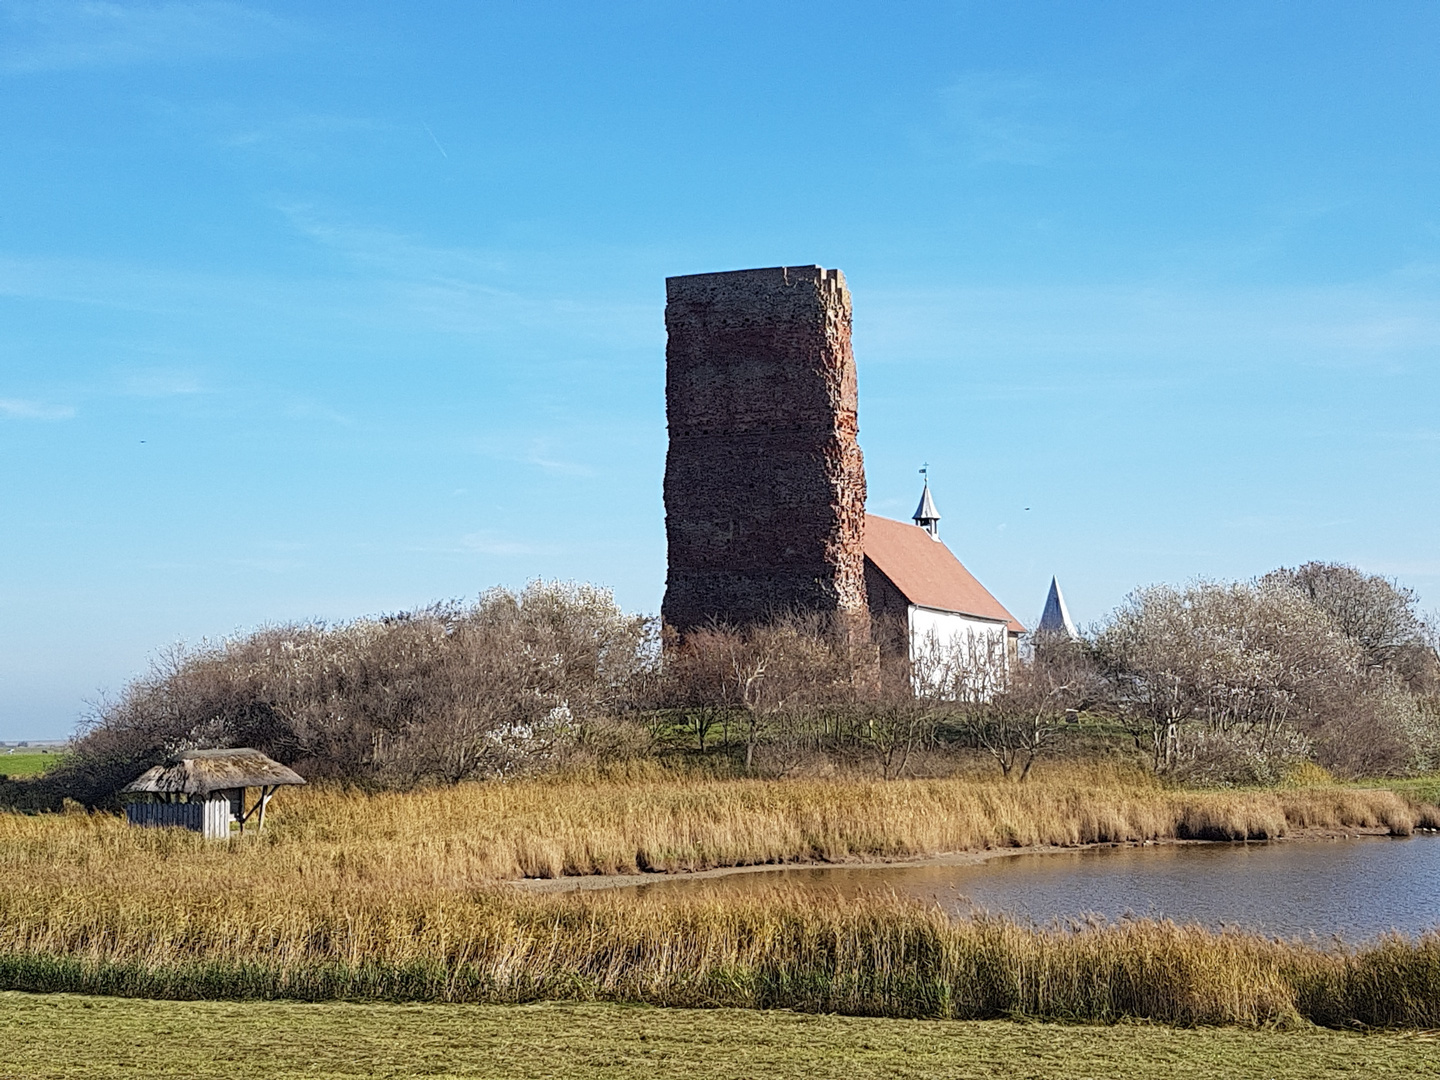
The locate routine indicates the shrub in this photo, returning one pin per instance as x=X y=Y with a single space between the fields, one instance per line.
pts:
x=443 y=693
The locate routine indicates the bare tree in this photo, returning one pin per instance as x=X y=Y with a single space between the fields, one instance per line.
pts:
x=1018 y=721
x=1235 y=680
x=778 y=678
x=1377 y=613
x=892 y=730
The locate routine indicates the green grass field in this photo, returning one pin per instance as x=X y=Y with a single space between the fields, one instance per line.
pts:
x=55 y=1036
x=27 y=761
x=1426 y=788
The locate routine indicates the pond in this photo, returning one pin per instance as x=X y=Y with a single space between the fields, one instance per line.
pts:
x=1356 y=889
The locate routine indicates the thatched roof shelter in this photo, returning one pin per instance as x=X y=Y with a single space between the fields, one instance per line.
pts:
x=204 y=790
x=200 y=772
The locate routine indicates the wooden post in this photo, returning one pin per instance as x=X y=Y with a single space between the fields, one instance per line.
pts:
x=265 y=793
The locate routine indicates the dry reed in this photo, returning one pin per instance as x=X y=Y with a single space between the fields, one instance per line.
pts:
x=393 y=896
x=470 y=835
x=871 y=956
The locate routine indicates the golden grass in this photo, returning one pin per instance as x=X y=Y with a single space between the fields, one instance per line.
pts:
x=874 y=955
x=474 y=834
x=395 y=896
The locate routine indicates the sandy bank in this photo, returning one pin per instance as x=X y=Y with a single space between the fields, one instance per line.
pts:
x=588 y=882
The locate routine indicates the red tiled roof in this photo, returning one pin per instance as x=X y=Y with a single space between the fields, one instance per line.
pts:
x=927 y=573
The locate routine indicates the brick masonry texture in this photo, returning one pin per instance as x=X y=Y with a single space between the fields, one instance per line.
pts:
x=764 y=480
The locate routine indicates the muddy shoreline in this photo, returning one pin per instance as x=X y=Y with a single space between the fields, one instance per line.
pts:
x=591 y=882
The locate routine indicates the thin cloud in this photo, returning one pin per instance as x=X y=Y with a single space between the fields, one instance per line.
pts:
x=51 y=36
x=20 y=409
x=1179 y=331
x=396 y=282
x=293 y=129
x=267 y=566
x=397 y=254
x=309 y=410
x=161 y=384
x=488 y=543
x=1402 y=568
x=558 y=467
x=293 y=140
x=1002 y=118
x=542 y=454
x=128 y=286
x=476 y=291
x=434 y=140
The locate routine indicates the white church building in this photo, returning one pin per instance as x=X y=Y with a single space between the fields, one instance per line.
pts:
x=949 y=618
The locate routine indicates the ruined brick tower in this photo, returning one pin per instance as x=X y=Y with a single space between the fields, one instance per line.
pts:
x=764 y=481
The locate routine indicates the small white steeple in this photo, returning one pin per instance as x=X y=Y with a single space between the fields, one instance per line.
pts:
x=1055 y=619
x=926 y=516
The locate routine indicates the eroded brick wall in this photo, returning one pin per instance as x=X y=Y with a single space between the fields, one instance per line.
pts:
x=764 y=480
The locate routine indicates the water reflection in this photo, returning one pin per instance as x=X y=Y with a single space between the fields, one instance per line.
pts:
x=1353 y=888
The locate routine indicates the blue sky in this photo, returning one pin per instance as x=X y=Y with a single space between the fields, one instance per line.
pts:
x=319 y=310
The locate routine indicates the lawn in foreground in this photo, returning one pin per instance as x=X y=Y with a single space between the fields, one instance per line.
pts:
x=45 y=1036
